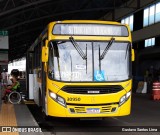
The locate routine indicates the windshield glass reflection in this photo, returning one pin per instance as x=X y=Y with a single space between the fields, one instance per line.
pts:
x=66 y=64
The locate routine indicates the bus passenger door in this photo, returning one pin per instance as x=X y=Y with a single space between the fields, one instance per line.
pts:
x=43 y=72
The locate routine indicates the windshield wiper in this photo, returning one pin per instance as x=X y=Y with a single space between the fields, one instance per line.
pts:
x=107 y=48
x=79 y=50
x=127 y=50
x=86 y=59
x=99 y=54
x=71 y=67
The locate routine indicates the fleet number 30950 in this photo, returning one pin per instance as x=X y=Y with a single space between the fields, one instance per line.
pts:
x=73 y=99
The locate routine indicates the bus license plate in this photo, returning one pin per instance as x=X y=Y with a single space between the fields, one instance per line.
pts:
x=93 y=110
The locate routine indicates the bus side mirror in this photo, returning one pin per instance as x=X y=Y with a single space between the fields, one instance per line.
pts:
x=133 y=55
x=45 y=52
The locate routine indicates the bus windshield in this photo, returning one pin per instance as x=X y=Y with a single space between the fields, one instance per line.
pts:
x=66 y=63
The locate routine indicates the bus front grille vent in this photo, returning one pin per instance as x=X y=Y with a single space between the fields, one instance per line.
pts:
x=80 y=110
x=92 y=89
x=95 y=109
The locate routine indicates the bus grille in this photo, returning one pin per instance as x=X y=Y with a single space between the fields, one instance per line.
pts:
x=106 y=109
x=80 y=109
x=92 y=89
x=103 y=109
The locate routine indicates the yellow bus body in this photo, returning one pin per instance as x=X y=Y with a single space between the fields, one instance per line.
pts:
x=55 y=109
x=105 y=102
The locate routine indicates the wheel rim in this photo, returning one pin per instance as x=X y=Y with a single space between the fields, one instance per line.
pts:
x=14 y=97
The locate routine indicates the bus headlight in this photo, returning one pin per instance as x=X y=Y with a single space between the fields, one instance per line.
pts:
x=61 y=101
x=52 y=95
x=124 y=98
x=57 y=98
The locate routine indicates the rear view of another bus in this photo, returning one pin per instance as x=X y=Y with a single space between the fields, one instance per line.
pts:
x=86 y=69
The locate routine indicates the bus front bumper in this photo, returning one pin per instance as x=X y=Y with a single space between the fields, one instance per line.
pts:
x=80 y=110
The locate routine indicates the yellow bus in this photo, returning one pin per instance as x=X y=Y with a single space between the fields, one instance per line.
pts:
x=82 y=68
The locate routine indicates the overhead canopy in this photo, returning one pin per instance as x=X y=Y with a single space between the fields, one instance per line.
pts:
x=25 y=19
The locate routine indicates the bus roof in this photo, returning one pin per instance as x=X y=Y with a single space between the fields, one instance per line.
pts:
x=88 y=21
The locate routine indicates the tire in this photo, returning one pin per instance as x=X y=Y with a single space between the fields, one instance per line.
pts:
x=40 y=99
x=45 y=117
x=14 y=97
